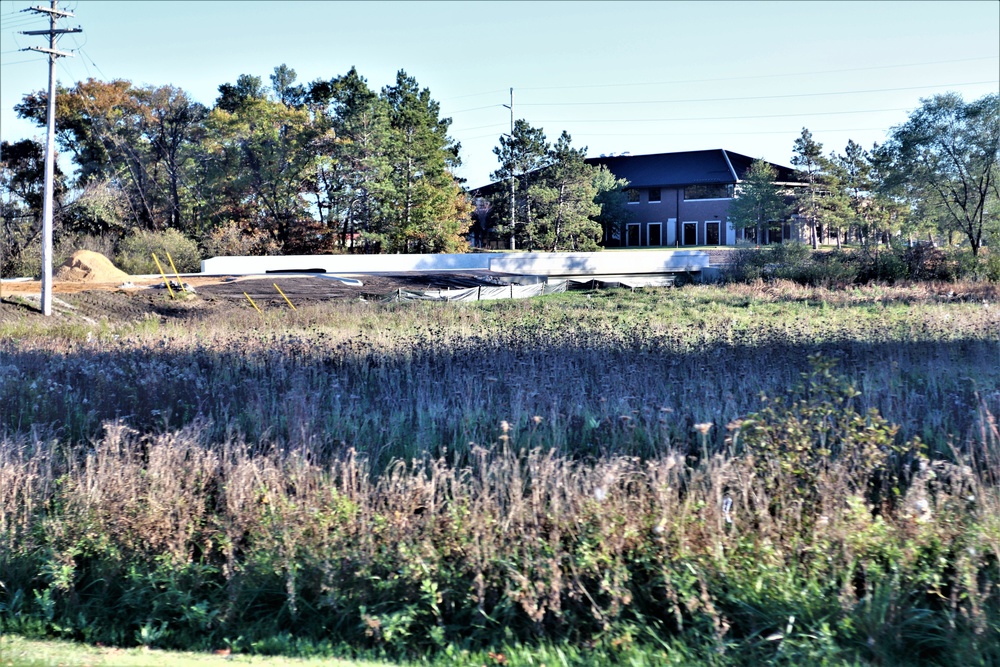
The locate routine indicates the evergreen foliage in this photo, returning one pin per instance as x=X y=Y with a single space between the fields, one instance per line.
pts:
x=315 y=167
x=758 y=200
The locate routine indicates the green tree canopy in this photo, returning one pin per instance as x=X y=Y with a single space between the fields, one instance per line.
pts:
x=563 y=198
x=758 y=199
x=521 y=154
x=945 y=158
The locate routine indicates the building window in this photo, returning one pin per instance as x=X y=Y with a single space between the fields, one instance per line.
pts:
x=654 y=195
x=633 y=195
x=709 y=191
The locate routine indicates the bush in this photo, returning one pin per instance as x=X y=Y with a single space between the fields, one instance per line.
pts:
x=991 y=262
x=796 y=262
x=135 y=253
x=229 y=239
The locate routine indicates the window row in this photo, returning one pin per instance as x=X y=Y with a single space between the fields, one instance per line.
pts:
x=691 y=193
x=670 y=234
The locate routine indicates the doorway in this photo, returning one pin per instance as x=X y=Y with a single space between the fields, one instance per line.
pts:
x=711 y=233
x=632 y=234
x=690 y=233
x=654 y=234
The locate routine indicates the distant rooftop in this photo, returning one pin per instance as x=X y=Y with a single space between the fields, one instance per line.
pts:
x=685 y=168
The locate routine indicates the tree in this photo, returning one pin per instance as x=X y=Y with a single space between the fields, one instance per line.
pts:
x=262 y=158
x=563 y=199
x=613 y=201
x=354 y=171
x=521 y=154
x=285 y=89
x=807 y=156
x=869 y=213
x=758 y=200
x=427 y=211
x=138 y=141
x=246 y=89
x=946 y=156
x=174 y=128
x=22 y=183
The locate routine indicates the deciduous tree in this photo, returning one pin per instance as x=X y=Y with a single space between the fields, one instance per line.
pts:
x=947 y=156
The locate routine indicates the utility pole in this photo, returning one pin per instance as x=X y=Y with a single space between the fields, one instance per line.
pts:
x=511 y=136
x=52 y=32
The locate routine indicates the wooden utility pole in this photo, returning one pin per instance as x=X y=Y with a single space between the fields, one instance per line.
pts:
x=52 y=32
x=511 y=136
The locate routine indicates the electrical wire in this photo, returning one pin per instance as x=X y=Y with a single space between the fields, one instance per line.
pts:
x=693 y=118
x=759 y=76
x=756 y=97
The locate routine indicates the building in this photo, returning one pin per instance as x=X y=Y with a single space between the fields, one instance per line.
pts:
x=682 y=199
x=675 y=200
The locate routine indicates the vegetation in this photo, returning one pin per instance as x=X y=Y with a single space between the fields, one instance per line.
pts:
x=946 y=160
x=672 y=477
x=313 y=167
x=758 y=201
x=894 y=262
x=560 y=202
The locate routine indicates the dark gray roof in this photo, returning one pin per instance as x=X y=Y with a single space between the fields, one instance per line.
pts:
x=686 y=168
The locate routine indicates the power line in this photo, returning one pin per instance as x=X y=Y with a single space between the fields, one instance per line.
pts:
x=87 y=55
x=488 y=106
x=713 y=133
x=483 y=94
x=759 y=76
x=757 y=97
x=694 y=118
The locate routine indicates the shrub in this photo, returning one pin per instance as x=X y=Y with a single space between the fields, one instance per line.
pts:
x=231 y=239
x=135 y=253
x=745 y=265
x=991 y=261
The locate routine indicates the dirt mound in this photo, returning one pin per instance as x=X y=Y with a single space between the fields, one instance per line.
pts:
x=86 y=266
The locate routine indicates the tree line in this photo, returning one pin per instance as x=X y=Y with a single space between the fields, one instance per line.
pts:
x=290 y=167
x=333 y=166
x=937 y=176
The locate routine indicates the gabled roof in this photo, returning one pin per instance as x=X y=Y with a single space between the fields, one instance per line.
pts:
x=686 y=168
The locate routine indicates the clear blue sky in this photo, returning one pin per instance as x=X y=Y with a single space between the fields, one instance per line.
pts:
x=642 y=77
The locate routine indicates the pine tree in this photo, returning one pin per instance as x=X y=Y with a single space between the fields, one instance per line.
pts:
x=807 y=156
x=563 y=199
x=758 y=200
x=521 y=155
x=427 y=211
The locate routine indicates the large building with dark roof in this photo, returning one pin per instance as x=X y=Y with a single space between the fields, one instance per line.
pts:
x=680 y=199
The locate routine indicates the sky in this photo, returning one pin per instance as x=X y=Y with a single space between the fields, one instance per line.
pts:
x=637 y=77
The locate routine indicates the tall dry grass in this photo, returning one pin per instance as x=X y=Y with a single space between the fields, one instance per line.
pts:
x=184 y=541
x=596 y=470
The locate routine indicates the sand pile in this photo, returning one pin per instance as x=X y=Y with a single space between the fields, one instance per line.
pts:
x=86 y=266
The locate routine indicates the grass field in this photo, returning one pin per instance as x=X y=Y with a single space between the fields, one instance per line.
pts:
x=761 y=474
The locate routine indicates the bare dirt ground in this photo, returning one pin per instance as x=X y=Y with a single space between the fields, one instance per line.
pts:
x=216 y=294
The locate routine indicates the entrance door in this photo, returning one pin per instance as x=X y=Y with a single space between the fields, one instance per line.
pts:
x=711 y=233
x=653 y=234
x=632 y=234
x=690 y=233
